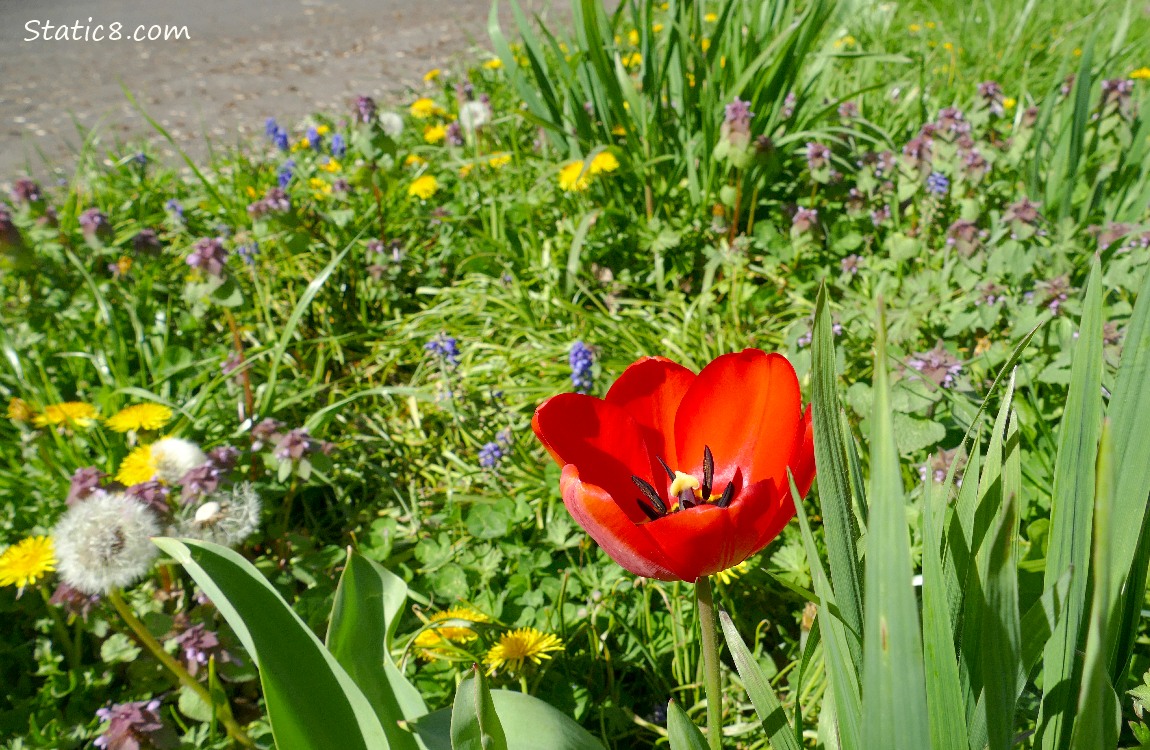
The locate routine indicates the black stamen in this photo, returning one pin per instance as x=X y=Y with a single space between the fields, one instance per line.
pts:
x=667 y=468
x=728 y=494
x=653 y=514
x=708 y=473
x=686 y=499
x=651 y=494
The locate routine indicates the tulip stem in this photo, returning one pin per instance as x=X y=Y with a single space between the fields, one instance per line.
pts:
x=712 y=678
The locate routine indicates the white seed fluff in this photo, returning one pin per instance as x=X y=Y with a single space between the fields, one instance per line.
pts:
x=227 y=518
x=105 y=542
x=391 y=124
x=174 y=457
x=473 y=115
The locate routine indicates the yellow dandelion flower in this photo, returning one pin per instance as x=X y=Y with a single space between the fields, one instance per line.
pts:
x=1009 y=102
x=711 y=17
x=423 y=108
x=27 y=561
x=69 y=413
x=633 y=37
x=705 y=44
x=632 y=60
x=914 y=28
x=137 y=467
x=656 y=28
x=139 y=417
x=493 y=64
x=434 y=134
x=948 y=46
x=301 y=145
x=604 y=161
x=465 y=169
x=252 y=193
x=414 y=160
x=930 y=24
x=431 y=75
x=572 y=178
x=725 y=577
x=320 y=188
x=19 y=410
x=331 y=165
x=1141 y=74
x=423 y=187
x=498 y=161
x=1078 y=52
x=618 y=130
x=981 y=345
x=432 y=642
x=322 y=129
x=517 y=647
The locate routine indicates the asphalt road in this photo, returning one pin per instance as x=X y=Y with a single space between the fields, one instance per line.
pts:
x=237 y=63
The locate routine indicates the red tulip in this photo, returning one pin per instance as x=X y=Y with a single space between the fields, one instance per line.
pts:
x=677 y=475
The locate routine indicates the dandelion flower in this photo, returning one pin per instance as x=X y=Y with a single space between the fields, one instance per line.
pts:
x=493 y=64
x=105 y=543
x=167 y=460
x=391 y=124
x=633 y=37
x=139 y=417
x=432 y=641
x=19 y=410
x=423 y=187
x=572 y=178
x=27 y=561
x=711 y=17
x=632 y=60
x=516 y=647
x=434 y=134
x=499 y=161
x=414 y=160
x=431 y=75
x=69 y=413
x=465 y=169
x=604 y=161
x=137 y=467
x=423 y=108
x=1141 y=74
x=226 y=518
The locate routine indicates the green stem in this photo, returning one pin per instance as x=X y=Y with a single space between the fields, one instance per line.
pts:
x=71 y=651
x=712 y=678
x=148 y=641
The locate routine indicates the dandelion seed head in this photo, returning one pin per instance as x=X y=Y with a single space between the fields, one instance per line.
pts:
x=105 y=543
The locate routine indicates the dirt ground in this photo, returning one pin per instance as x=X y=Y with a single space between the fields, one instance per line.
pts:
x=239 y=62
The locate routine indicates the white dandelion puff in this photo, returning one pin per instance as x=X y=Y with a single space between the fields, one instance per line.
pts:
x=474 y=115
x=105 y=543
x=174 y=457
x=391 y=123
x=225 y=518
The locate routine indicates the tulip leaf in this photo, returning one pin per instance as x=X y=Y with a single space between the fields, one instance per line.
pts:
x=474 y=723
x=894 y=686
x=1071 y=511
x=767 y=706
x=311 y=701
x=528 y=723
x=364 y=616
x=682 y=733
x=833 y=475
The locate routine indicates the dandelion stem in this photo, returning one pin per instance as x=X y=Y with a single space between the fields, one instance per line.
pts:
x=71 y=651
x=245 y=376
x=712 y=678
x=222 y=710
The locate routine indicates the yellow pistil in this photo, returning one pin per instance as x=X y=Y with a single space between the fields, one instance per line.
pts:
x=683 y=482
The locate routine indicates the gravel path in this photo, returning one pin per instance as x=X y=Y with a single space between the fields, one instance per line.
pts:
x=245 y=60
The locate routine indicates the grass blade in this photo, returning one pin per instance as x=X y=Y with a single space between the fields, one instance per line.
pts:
x=767 y=706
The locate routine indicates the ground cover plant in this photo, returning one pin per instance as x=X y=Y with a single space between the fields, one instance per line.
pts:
x=351 y=382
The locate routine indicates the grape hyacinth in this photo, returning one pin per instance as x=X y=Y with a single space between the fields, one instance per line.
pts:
x=581 y=359
x=490 y=455
x=445 y=348
x=937 y=183
x=286 y=171
x=338 y=146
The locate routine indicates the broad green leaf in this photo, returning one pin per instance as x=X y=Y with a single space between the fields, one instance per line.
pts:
x=528 y=723
x=311 y=701
x=766 y=703
x=364 y=615
x=894 y=685
x=1071 y=512
x=1099 y=715
x=681 y=732
x=833 y=475
x=474 y=723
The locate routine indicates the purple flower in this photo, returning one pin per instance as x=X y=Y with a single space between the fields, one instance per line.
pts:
x=85 y=481
x=94 y=223
x=445 y=348
x=454 y=134
x=1053 y=292
x=341 y=186
x=850 y=264
x=286 y=171
x=937 y=183
x=788 y=105
x=937 y=365
x=918 y=152
x=818 y=156
x=939 y=465
x=848 y=110
x=1023 y=210
x=490 y=455
x=990 y=294
x=974 y=166
x=880 y=215
x=885 y=164
x=173 y=206
x=963 y=236
x=1116 y=94
x=73 y=601
x=134 y=726
x=805 y=219
x=249 y=252
x=200 y=481
x=26 y=191
x=738 y=115
x=266 y=431
x=952 y=121
x=581 y=359
x=198 y=644
x=338 y=146
x=224 y=457
x=365 y=110
x=271 y=127
x=151 y=493
x=281 y=140
x=314 y=139
x=991 y=94
x=208 y=255
x=294 y=445
x=146 y=241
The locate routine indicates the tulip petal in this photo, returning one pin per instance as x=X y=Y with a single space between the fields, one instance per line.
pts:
x=700 y=541
x=650 y=391
x=602 y=440
x=625 y=541
x=745 y=406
